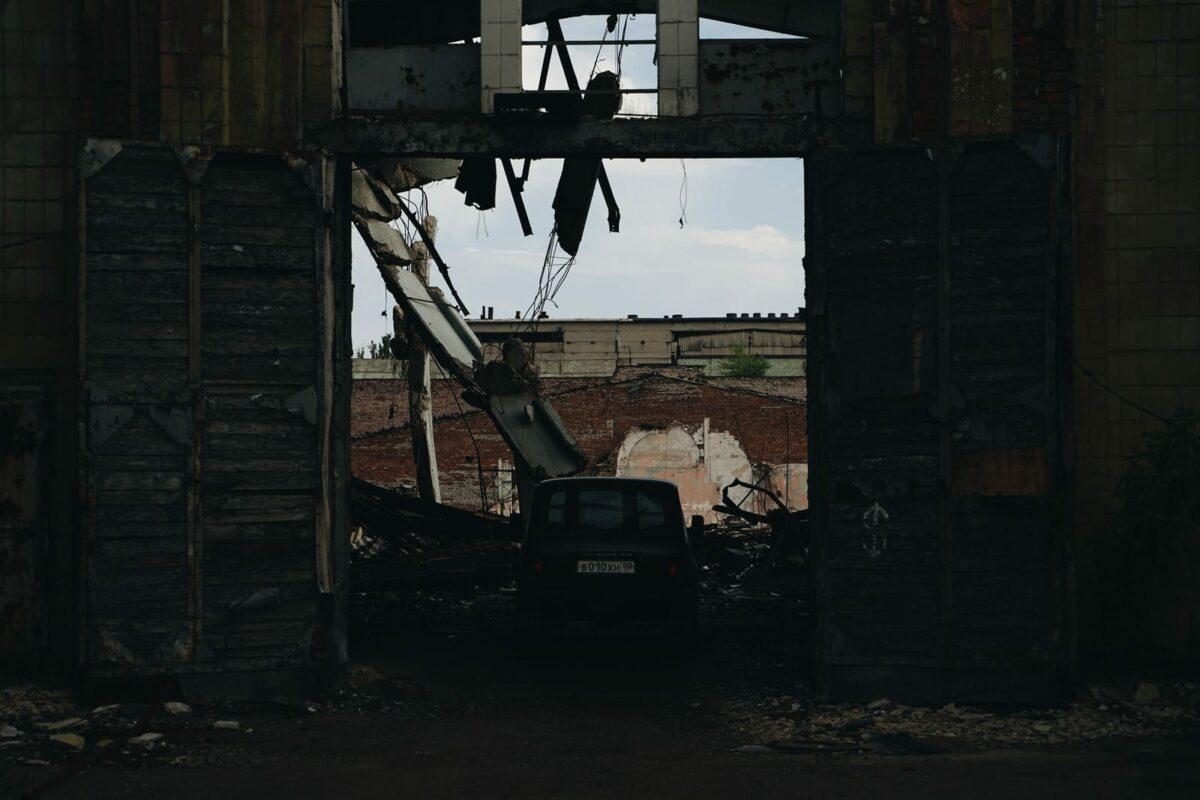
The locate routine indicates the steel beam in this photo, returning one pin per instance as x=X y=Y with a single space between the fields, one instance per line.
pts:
x=384 y=22
x=450 y=135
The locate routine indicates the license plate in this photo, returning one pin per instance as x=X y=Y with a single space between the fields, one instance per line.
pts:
x=604 y=567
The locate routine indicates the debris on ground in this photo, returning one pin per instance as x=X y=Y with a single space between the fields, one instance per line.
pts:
x=46 y=726
x=885 y=726
x=741 y=566
x=403 y=541
x=146 y=739
x=70 y=739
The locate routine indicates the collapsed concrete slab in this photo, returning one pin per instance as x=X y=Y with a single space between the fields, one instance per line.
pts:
x=506 y=388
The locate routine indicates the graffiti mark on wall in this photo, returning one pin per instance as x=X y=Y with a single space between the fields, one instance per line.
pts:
x=873 y=520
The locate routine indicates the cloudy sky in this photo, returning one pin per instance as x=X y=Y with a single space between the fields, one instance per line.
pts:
x=739 y=249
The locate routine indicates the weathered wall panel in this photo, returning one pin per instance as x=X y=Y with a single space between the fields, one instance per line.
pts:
x=768 y=76
x=204 y=364
x=137 y=70
x=138 y=410
x=414 y=78
x=872 y=293
x=933 y=302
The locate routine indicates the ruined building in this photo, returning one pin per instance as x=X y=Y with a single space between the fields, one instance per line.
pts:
x=597 y=347
x=1001 y=212
x=651 y=422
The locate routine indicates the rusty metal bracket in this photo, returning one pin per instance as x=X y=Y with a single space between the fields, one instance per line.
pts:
x=515 y=188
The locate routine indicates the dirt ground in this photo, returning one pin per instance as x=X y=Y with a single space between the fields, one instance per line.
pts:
x=440 y=704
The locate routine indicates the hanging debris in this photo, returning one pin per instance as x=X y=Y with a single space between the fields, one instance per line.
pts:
x=577 y=183
x=477 y=182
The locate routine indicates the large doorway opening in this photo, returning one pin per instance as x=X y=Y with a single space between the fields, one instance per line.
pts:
x=673 y=349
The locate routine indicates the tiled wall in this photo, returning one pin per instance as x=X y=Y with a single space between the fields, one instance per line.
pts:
x=500 y=48
x=1152 y=200
x=38 y=87
x=1138 y=198
x=678 y=58
x=39 y=91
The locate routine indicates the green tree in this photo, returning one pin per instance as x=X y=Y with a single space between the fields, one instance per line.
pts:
x=742 y=365
x=382 y=348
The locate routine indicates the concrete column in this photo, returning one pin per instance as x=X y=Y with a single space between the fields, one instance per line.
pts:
x=678 y=58
x=420 y=400
x=499 y=48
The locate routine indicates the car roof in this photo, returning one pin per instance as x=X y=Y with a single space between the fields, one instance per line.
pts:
x=608 y=482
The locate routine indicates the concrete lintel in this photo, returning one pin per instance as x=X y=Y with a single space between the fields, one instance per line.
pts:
x=662 y=137
x=384 y=22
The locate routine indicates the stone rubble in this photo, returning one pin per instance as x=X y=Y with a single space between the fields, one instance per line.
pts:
x=1133 y=711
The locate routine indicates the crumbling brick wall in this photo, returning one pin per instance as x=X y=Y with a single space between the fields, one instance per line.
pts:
x=766 y=417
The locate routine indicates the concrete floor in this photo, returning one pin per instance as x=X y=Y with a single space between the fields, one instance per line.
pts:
x=440 y=704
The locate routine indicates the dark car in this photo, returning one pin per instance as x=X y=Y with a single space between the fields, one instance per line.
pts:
x=606 y=549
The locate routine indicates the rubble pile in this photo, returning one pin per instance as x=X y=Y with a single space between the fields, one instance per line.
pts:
x=43 y=727
x=742 y=572
x=1136 y=709
x=403 y=541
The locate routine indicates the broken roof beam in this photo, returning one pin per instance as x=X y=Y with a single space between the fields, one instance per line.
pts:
x=374 y=206
x=527 y=422
x=722 y=136
x=442 y=328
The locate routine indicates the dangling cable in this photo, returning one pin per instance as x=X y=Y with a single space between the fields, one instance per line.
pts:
x=683 y=189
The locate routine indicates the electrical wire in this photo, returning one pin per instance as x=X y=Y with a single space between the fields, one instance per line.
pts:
x=683 y=192
x=1132 y=403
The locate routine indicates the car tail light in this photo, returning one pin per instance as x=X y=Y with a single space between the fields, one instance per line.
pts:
x=672 y=569
x=537 y=566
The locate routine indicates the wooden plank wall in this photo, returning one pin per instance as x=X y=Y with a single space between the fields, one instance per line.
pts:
x=145 y=70
x=262 y=244
x=937 y=476
x=138 y=411
x=209 y=448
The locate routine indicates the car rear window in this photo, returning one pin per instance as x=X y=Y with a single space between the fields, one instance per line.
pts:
x=618 y=510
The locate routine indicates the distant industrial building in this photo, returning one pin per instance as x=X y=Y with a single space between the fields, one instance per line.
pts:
x=575 y=347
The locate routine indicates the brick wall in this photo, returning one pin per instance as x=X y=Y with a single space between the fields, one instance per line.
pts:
x=766 y=417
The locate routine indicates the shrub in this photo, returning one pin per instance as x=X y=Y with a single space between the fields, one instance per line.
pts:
x=741 y=365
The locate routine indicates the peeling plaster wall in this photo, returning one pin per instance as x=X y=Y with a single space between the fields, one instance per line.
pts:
x=700 y=461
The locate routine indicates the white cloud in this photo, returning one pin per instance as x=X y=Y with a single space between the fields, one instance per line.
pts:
x=741 y=250
x=761 y=240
